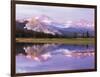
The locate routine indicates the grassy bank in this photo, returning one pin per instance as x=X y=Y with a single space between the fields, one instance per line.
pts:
x=57 y=40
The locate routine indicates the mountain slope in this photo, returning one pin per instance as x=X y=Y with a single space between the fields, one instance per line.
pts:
x=46 y=26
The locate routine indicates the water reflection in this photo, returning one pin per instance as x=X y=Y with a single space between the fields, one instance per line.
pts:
x=51 y=53
x=43 y=52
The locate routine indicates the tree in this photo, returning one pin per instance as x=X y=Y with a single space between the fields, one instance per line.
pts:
x=87 y=34
x=83 y=35
x=75 y=35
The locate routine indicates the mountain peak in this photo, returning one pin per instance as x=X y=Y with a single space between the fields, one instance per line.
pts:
x=46 y=25
x=80 y=24
x=41 y=24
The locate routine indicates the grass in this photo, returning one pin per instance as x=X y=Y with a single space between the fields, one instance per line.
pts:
x=57 y=40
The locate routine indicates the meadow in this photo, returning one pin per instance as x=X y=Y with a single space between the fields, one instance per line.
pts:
x=57 y=40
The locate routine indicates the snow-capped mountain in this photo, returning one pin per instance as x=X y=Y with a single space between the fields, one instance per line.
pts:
x=41 y=24
x=46 y=25
x=80 y=24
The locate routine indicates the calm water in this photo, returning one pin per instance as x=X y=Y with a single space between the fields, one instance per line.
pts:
x=53 y=57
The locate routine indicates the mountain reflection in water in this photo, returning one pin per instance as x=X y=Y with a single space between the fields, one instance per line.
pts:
x=46 y=54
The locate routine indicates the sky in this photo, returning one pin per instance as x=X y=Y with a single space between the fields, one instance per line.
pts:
x=60 y=14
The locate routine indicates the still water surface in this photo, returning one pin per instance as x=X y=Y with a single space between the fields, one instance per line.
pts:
x=53 y=57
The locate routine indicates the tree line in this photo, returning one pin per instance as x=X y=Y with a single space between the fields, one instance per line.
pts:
x=44 y=35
